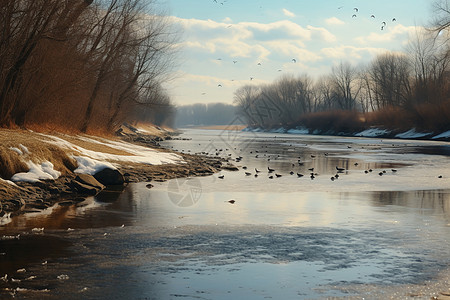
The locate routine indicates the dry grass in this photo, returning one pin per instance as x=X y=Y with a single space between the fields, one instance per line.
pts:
x=42 y=148
x=92 y=145
x=393 y=118
x=332 y=121
x=432 y=117
x=12 y=162
x=426 y=117
x=153 y=130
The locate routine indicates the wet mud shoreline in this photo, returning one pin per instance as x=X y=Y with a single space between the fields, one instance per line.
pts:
x=25 y=197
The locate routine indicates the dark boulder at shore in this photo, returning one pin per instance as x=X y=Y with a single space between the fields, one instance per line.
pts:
x=109 y=177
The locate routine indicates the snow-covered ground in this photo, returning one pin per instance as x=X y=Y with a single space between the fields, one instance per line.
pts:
x=372 y=132
x=412 y=134
x=442 y=135
x=91 y=161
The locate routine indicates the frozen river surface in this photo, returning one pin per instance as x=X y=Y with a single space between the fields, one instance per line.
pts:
x=379 y=230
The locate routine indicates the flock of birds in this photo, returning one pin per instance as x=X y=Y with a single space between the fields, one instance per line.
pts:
x=372 y=16
x=303 y=167
x=272 y=173
x=355 y=14
x=293 y=60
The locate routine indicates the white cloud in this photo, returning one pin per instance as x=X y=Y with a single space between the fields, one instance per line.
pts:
x=288 y=13
x=291 y=50
x=249 y=39
x=276 y=30
x=334 y=21
x=350 y=53
x=322 y=33
x=227 y=20
x=389 y=34
x=274 y=44
x=238 y=48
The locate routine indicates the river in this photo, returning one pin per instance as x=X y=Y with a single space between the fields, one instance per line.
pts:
x=378 y=230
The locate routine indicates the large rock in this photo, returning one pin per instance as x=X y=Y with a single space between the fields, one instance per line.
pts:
x=85 y=188
x=89 y=180
x=109 y=177
x=87 y=184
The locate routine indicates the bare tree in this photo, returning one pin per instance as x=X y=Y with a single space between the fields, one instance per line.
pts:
x=155 y=106
x=431 y=64
x=292 y=95
x=130 y=52
x=247 y=99
x=149 y=58
x=24 y=25
x=344 y=78
x=325 y=94
x=441 y=12
x=388 y=80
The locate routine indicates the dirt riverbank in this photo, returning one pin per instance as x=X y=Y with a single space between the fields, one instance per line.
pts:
x=24 y=154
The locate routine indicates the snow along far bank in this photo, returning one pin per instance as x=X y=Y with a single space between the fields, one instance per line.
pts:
x=370 y=133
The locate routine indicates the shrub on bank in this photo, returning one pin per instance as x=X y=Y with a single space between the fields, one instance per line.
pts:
x=332 y=122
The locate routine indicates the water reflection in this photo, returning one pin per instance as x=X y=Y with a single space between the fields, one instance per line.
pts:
x=362 y=228
x=153 y=208
x=433 y=201
x=104 y=210
x=21 y=251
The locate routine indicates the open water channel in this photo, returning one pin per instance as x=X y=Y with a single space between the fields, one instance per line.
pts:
x=376 y=234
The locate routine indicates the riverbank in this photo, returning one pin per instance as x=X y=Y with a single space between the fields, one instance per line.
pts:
x=38 y=170
x=234 y=127
x=374 y=132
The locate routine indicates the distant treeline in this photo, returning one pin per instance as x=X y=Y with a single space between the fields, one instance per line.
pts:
x=80 y=65
x=410 y=89
x=205 y=114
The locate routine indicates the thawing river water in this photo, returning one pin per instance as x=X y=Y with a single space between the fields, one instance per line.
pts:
x=362 y=235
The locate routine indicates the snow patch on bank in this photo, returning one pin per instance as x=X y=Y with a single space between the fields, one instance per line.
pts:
x=442 y=135
x=412 y=134
x=8 y=182
x=23 y=150
x=373 y=132
x=139 y=154
x=43 y=171
x=91 y=166
x=298 y=131
x=90 y=161
x=369 y=133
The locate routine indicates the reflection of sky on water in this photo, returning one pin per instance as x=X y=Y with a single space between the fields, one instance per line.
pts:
x=419 y=162
x=283 y=238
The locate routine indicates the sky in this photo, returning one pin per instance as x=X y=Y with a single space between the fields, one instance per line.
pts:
x=225 y=44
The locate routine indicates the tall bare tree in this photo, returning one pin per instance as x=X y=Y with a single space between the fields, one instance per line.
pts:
x=25 y=24
x=431 y=64
x=344 y=79
x=441 y=12
x=389 y=80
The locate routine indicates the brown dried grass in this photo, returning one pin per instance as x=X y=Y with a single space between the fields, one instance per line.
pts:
x=41 y=149
x=38 y=151
x=333 y=121
x=390 y=117
x=10 y=163
x=426 y=117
